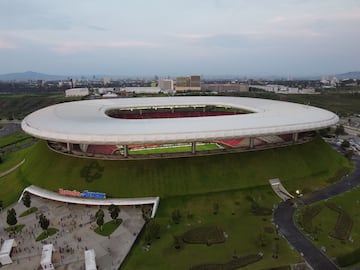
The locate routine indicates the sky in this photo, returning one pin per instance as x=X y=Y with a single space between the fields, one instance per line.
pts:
x=180 y=37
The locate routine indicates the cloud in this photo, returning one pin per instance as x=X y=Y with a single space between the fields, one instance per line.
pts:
x=96 y=27
x=79 y=46
x=7 y=45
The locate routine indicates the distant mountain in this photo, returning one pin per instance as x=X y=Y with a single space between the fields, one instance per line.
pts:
x=30 y=75
x=348 y=75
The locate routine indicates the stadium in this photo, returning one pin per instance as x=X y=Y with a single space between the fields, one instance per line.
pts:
x=141 y=128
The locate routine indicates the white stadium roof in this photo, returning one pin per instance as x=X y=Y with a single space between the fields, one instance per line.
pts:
x=85 y=122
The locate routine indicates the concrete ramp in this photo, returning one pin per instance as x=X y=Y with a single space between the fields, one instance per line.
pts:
x=47 y=194
x=280 y=190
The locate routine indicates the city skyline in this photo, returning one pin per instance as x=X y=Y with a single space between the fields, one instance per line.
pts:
x=295 y=38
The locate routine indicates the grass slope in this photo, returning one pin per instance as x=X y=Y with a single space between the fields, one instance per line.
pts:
x=192 y=185
x=234 y=218
x=297 y=166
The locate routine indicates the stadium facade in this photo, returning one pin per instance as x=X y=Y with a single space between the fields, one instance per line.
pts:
x=118 y=128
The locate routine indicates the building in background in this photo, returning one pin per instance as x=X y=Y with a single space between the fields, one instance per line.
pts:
x=77 y=92
x=166 y=84
x=226 y=87
x=188 y=83
x=106 y=80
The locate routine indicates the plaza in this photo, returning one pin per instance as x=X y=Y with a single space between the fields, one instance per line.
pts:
x=76 y=224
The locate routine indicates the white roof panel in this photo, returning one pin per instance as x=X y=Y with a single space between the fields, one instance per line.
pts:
x=90 y=263
x=7 y=246
x=46 y=254
x=86 y=121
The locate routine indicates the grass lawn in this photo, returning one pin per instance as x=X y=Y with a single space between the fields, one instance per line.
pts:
x=192 y=185
x=174 y=149
x=326 y=220
x=310 y=164
x=12 y=159
x=44 y=235
x=108 y=227
x=234 y=218
x=13 y=184
x=16 y=137
x=28 y=212
x=16 y=228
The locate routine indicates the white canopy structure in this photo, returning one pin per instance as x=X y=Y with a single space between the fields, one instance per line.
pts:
x=47 y=194
x=6 y=250
x=46 y=256
x=86 y=122
x=90 y=262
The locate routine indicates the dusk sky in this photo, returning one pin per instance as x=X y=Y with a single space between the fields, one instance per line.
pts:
x=172 y=37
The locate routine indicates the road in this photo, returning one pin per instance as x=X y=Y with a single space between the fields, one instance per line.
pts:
x=284 y=213
x=9 y=128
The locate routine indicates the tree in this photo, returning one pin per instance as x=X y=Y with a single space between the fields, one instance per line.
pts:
x=261 y=240
x=345 y=144
x=146 y=213
x=100 y=221
x=177 y=242
x=349 y=154
x=1 y=205
x=1 y=160
x=11 y=217
x=340 y=130
x=99 y=212
x=324 y=132
x=114 y=211
x=176 y=216
x=100 y=218
x=215 y=208
x=152 y=231
x=44 y=223
x=26 y=199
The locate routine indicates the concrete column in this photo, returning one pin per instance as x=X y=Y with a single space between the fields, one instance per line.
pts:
x=83 y=147
x=193 y=147
x=68 y=146
x=126 y=150
x=251 y=142
x=295 y=137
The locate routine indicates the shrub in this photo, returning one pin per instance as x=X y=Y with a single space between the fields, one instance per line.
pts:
x=343 y=224
x=176 y=216
x=28 y=211
x=310 y=212
x=349 y=258
x=204 y=235
x=230 y=265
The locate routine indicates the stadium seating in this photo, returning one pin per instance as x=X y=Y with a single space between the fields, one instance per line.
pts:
x=230 y=142
x=286 y=137
x=176 y=114
x=102 y=149
x=271 y=139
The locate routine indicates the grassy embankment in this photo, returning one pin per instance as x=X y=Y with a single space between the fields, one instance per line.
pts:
x=192 y=185
x=305 y=166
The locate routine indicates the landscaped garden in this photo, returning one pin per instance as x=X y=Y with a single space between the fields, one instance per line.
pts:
x=204 y=238
x=334 y=226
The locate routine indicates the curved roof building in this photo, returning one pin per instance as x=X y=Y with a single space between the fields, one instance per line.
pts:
x=86 y=122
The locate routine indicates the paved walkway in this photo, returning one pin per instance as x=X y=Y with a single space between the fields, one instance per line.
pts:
x=76 y=224
x=283 y=217
x=12 y=169
x=53 y=196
